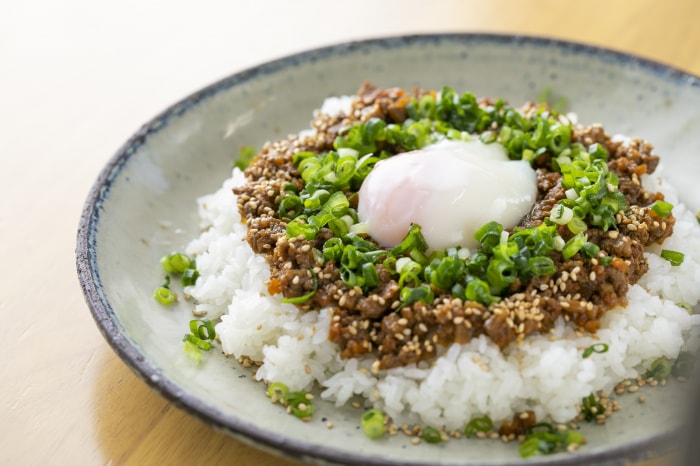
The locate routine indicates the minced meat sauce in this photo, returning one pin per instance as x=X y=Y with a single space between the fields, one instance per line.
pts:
x=581 y=290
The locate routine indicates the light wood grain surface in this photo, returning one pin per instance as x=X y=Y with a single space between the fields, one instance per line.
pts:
x=78 y=77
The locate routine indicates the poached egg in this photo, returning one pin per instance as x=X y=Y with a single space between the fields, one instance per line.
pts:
x=450 y=189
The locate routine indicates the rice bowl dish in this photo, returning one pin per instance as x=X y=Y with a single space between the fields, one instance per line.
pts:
x=543 y=373
x=142 y=207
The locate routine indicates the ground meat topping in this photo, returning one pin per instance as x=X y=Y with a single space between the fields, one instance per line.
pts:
x=376 y=322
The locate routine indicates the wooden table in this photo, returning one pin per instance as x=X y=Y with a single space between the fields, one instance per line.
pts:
x=78 y=77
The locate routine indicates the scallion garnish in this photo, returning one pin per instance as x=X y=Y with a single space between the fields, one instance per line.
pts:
x=246 y=155
x=164 y=295
x=201 y=332
x=479 y=424
x=192 y=351
x=430 y=435
x=299 y=404
x=660 y=369
x=591 y=408
x=674 y=257
x=605 y=260
x=176 y=262
x=303 y=298
x=372 y=423
x=277 y=391
x=573 y=246
x=549 y=441
x=198 y=342
x=203 y=329
x=189 y=277
x=596 y=348
x=421 y=293
x=662 y=208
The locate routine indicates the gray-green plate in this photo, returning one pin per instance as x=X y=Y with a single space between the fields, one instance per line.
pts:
x=142 y=206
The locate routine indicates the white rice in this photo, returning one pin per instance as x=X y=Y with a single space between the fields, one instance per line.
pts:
x=544 y=373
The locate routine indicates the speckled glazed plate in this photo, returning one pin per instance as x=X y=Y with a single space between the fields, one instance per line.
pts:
x=142 y=206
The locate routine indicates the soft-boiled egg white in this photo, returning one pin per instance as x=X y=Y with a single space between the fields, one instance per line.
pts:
x=450 y=189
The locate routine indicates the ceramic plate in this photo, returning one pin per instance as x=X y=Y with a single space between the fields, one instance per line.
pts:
x=142 y=206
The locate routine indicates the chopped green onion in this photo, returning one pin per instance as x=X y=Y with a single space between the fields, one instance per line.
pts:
x=196 y=341
x=660 y=369
x=573 y=246
x=590 y=249
x=478 y=290
x=500 y=274
x=277 y=391
x=203 y=329
x=246 y=155
x=192 y=351
x=189 y=277
x=422 y=293
x=414 y=240
x=299 y=404
x=591 y=408
x=372 y=423
x=561 y=215
x=489 y=235
x=574 y=437
x=298 y=227
x=307 y=296
x=164 y=295
x=576 y=225
x=529 y=447
x=479 y=424
x=199 y=342
x=166 y=282
x=176 y=262
x=542 y=265
x=596 y=348
x=674 y=257
x=541 y=427
x=605 y=260
x=431 y=435
x=290 y=207
x=549 y=441
x=662 y=208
